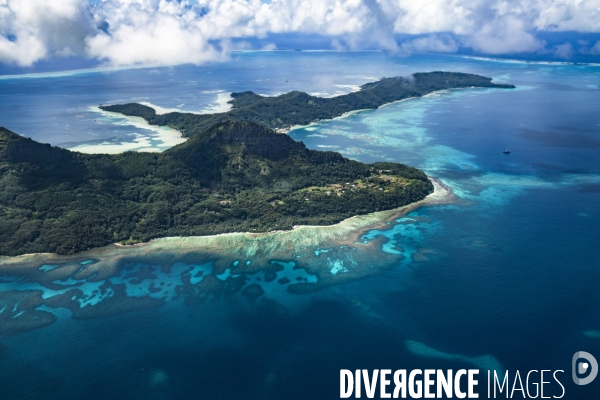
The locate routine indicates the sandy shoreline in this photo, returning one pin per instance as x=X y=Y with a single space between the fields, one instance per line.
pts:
x=219 y=105
x=157 y=139
x=350 y=113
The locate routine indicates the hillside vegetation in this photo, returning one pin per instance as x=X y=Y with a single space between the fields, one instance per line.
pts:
x=234 y=174
x=232 y=177
x=298 y=108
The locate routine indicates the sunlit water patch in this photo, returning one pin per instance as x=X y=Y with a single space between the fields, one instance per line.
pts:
x=484 y=362
x=404 y=132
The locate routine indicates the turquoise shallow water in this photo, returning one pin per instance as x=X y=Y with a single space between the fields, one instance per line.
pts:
x=507 y=278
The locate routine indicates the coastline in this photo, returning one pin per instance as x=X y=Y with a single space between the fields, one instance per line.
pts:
x=240 y=245
x=219 y=105
x=159 y=138
x=292 y=239
x=353 y=112
x=116 y=279
x=167 y=136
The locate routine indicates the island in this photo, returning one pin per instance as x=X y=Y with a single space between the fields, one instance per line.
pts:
x=298 y=108
x=234 y=174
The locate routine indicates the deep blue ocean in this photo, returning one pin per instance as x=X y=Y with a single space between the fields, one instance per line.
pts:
x=508 y=278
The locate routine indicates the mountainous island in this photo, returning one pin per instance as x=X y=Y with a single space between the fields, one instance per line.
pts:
x=234 y=174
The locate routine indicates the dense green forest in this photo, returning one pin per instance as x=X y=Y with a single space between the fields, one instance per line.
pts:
x=297 y=108
x=235 y=176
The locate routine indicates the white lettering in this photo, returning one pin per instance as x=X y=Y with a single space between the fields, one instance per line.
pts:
x=497 y=383
x=400 y=382
x=443 y=383
x=384 y=384
x=537 y=390
x=370 y=385
x=431 y=384
x=542 y=384
x=563 y=388
x=428 y=383
x=472 y=383
x=459 y=394
x=411 y=384
x=346 y=377
x=517 y=377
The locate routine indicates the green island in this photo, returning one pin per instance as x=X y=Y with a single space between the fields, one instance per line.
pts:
x=298 y=108
x=234 y=174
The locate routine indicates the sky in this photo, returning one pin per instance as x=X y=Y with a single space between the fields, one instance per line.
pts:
x=170 y=32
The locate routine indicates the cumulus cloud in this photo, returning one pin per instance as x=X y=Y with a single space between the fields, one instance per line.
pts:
x=569 y=15
x=125 y=32
x=431 y=43
x=595 y=50
x=31 y=30
x=564 y=51
x=150 y=32
x=507 y=34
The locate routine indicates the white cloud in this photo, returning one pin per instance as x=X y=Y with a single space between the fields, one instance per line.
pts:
x=564 y=51
x=142 y=34
x=33 y=29
x=125 y=32
x=568 y=15
x=434 y=16
x=336 y=45
x=269 y=47
x=507 y=34
x=431 y=43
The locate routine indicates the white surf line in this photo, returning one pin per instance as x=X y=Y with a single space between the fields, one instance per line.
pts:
x=168 y=137
x=59 y=74
x=219 y=105
x=163 y=110
x=532 y=62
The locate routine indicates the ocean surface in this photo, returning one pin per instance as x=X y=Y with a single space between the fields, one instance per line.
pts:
x=506 y=278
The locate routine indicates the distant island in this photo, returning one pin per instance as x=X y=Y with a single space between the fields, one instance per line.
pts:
x=298 y=108
x=234 y=174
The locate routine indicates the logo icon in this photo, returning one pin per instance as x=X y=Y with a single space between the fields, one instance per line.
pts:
x=581 y=367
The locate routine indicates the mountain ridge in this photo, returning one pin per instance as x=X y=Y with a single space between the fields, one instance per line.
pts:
x=233 y=177
x=234 y=174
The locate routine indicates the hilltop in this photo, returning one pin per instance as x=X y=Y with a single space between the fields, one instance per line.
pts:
x=234 y=174
x=232 y=177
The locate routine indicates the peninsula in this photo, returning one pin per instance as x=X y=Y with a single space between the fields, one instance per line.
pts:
x=298 y=108
x=234 y=174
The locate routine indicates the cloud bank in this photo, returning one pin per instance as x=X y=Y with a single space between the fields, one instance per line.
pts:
x=129 y=32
